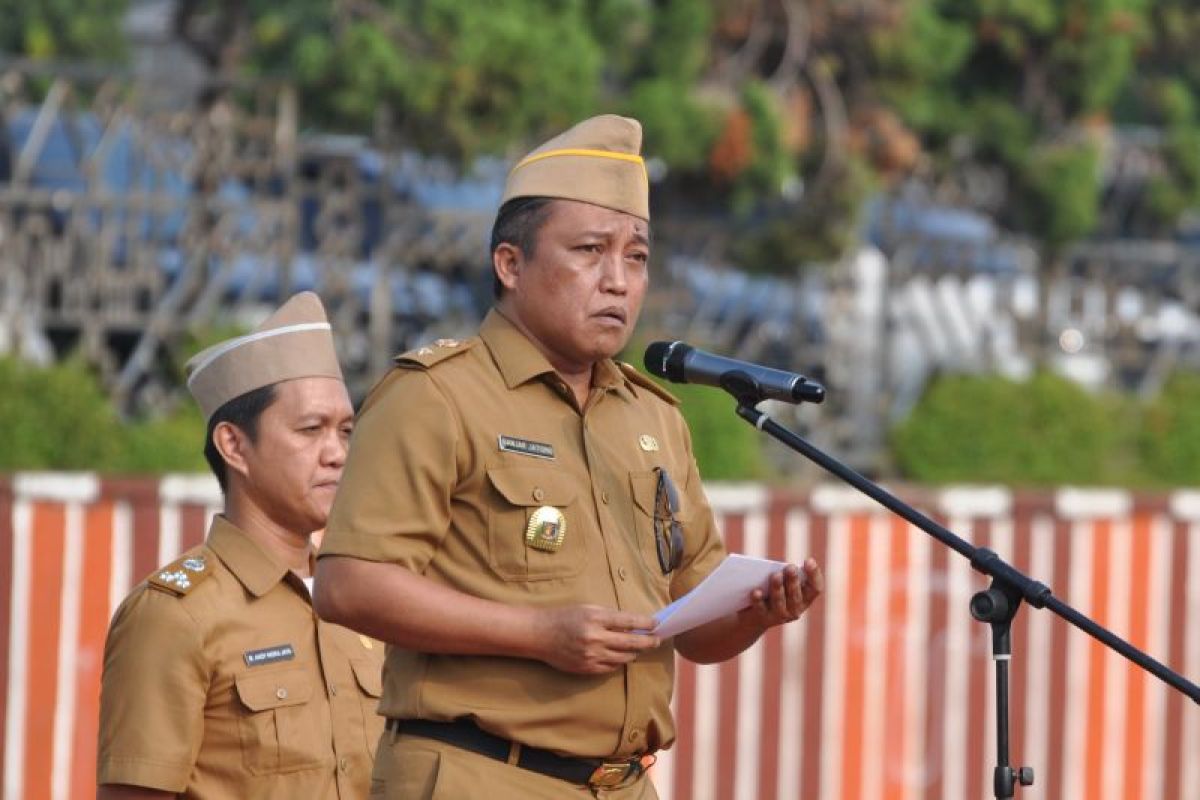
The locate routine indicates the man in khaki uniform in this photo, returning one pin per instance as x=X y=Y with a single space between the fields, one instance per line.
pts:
x=219 y=680
x=518 y=505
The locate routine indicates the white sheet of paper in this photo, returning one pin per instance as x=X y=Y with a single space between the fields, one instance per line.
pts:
x=726 y=589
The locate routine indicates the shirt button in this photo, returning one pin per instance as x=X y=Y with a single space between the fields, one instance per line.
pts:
x=281 y=693
x=343 y=764
x=332 y=690
x=538 y=494
x=604 y=497
x=635 y=735
x=622 y=573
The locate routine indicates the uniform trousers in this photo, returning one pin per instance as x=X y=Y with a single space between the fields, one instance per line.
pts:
x=415 y=768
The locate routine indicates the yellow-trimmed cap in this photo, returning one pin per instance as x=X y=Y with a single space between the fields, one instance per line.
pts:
x=598 y=161
x=294 y=342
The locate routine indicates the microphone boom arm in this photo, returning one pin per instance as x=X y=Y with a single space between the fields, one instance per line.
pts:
x=996 y=605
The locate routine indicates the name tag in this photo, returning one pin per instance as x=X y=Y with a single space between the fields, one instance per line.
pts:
x=511 y=444
x=269 y=655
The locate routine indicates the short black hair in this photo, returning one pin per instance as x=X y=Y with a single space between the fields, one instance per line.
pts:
x=517 y=223
x=242 y=411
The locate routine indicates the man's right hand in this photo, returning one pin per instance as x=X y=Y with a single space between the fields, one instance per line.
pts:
x=592 y=640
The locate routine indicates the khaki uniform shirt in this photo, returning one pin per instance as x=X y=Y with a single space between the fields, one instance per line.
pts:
x=220 y=682
x=452 y=455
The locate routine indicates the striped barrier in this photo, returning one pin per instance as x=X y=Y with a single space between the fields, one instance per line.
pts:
x=883 y=691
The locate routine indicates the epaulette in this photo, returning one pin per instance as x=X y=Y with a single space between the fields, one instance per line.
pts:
x=431 y=354
x=635 y=376
x=182 y=575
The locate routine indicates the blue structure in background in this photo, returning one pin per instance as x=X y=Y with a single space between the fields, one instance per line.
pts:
x=77 y=157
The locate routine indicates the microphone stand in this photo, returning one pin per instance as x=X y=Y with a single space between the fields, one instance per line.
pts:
x=997 y=605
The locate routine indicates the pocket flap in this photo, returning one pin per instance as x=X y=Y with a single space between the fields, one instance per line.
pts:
x=274 y=689
x=369 y=675
x=532 y=486
x=644 y=485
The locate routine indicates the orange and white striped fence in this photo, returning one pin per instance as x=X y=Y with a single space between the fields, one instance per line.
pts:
x=884 y=690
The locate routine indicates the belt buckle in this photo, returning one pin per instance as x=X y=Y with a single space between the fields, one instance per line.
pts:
x=617 y=774
x=611 y=774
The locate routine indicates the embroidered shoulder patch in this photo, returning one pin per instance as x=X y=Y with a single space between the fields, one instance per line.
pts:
x=635 y=377
x=182 y=575
x=435 y=353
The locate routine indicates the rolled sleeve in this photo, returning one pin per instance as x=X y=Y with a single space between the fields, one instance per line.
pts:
x=393 y=503
x=152 y=696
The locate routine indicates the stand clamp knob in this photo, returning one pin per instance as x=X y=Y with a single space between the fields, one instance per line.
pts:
x=1007 y=779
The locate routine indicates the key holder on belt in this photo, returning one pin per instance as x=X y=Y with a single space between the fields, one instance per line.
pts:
x=997 y=605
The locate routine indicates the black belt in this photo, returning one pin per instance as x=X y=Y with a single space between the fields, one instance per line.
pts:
x=462 y=732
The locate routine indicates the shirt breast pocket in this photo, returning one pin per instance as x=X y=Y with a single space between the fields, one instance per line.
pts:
x=643 y=484
x=534 y=531
x=368 y=676
x=280 y=731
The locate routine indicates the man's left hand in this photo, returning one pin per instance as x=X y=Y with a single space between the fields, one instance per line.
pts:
x=788 y=594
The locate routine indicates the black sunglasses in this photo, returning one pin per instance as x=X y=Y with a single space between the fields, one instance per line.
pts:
x=668 y=533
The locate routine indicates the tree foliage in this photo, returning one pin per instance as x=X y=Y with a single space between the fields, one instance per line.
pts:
x=990 y=429
x=1164 y=95
x=1169 y=439
x=1027 y=88
x=62 y=28
x=787 y=113
x=1049 y=431
x=59 y=418
x=726 y=448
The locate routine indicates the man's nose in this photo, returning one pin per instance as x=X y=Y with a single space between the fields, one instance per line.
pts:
x=615 y=278
x=334 y=449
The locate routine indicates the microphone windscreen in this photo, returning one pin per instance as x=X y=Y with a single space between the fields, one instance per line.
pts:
x=655 y=359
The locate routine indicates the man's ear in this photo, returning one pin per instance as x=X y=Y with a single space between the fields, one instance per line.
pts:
x=232 y=442
x=507 y=261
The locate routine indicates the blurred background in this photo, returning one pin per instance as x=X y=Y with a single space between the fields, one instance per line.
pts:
x=965 y=217
x=976 y=221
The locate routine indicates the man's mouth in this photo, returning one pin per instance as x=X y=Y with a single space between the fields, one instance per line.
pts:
x=613 y=314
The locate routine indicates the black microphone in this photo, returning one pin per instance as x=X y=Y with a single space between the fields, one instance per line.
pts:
x=683 y=363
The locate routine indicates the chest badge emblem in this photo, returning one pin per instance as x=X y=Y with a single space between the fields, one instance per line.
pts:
x=546 y=530
x=648 y=443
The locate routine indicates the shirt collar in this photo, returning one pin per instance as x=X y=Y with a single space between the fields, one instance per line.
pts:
x=519 y=360
x=608 y=376
x=248 y=562
x=516 y=357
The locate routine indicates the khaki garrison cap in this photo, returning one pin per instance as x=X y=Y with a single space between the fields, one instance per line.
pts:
x=294 y=342
x=598 y=161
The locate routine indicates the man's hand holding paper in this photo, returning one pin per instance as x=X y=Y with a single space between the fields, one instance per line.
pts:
x=788 y=594
x=760 y=592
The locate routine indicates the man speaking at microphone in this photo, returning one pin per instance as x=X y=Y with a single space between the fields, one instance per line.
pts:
x=517 y=506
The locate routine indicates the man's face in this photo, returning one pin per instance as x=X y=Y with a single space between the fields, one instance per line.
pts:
x=294 y=464
x=580 y=293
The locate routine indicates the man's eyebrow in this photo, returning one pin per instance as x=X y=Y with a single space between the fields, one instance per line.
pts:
x=323 y=416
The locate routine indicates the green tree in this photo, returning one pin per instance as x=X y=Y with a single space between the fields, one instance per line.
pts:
x=1169 y=440
x=1164 y=94
x=63 y=28
x=1024 y=87
x=726 y=448
x=59 y=418
x=55 y=418
x=1042 y=432
x=455 y=78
